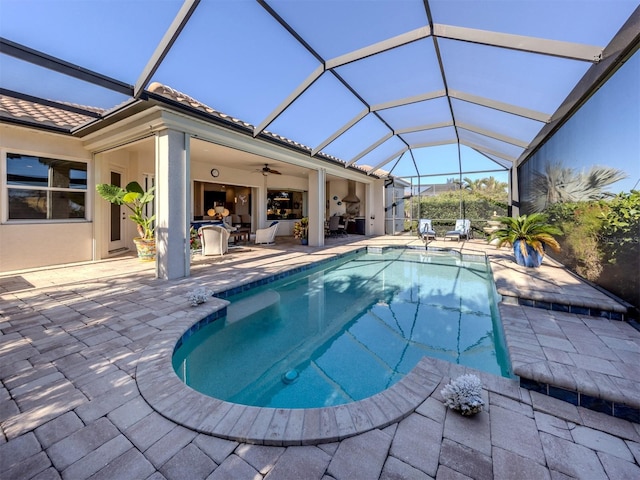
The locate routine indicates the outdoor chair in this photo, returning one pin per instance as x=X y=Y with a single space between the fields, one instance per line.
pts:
x=461 y=229
x=267 y=235
x=335 y=227
x=425 y=230
x=215 y=240
x=245 y=220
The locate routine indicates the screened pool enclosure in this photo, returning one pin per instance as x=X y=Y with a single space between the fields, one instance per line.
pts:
x=458 y=107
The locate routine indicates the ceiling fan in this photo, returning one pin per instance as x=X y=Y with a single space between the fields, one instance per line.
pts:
x=266 y=170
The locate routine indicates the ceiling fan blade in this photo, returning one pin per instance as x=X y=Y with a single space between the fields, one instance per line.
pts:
x=275 y=172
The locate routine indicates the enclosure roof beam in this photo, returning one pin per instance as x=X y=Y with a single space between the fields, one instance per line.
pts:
x=542 y=46
x=383 y=46
x=369 y=149
x=50 y=62
x=169 y=38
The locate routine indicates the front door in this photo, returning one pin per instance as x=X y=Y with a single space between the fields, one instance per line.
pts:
x=117 y=220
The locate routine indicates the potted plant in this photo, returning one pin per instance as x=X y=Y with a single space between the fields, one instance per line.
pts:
x=301 y=230
x=135 y=198
x=529 y=235
x=195 y=241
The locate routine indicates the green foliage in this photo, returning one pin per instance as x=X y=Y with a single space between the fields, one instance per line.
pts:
x=602 y=241
x=134 y=198
x=582 y=225
x=195 y=242
x=301 y=228
x=443 y=208
x=621 y=222
x=534 y=230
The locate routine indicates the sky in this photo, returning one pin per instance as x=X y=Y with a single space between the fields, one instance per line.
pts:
x=236 y=58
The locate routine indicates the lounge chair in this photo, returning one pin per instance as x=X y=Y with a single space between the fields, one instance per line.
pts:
x=267 y=235
x=215 y=239
x=425 y=230
x=462 y=229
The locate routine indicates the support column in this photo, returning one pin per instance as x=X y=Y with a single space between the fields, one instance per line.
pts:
x=317 y=179
x=374 y=208
x=514 y=192
x=173 y=193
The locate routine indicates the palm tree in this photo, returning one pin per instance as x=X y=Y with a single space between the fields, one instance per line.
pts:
x=528 y=234
x=494 y=186
x=558 y=184
x=473 y=185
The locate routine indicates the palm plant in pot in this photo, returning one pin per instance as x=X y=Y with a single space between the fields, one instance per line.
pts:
x=529 y=235
x=135 y=198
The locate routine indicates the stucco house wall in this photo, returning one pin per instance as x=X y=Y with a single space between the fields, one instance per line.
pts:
x=34 y=243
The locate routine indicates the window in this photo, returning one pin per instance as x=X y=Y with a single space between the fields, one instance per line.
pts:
x=284 y=204
x=45 y=188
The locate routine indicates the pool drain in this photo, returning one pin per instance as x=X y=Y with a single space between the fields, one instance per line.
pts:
x=290 y=376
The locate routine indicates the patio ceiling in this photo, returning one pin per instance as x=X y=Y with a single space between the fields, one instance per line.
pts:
x=388 y=84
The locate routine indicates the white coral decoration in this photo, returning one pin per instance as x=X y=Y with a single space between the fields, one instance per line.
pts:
x=198 y=296
x=464 y=394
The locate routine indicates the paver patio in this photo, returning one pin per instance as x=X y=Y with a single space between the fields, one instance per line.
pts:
x=74 y=339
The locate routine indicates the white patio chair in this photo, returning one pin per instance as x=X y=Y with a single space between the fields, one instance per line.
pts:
x=215 y=240
x=425 y=230
x=461 y=229
x=267 y=235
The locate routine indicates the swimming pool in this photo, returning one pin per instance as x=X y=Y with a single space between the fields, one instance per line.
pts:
x=346 y=331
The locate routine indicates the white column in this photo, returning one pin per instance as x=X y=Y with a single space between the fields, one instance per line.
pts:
x=374 y=208
x=514 y=192
x=317 y=179
x=173 y=192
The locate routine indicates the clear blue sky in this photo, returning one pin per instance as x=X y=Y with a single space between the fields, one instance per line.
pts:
x=234 y=57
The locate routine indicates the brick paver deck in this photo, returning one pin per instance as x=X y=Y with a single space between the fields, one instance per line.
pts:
x=83 y=393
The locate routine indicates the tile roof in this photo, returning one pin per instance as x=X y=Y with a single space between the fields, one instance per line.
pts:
x=171 y=93
x=45 y=115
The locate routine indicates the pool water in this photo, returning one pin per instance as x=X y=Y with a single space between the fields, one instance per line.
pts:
x=346 y=331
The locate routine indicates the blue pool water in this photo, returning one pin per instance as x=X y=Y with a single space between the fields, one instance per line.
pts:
x=346 y=331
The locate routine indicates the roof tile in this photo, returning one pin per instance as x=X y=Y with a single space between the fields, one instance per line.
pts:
x=43 y=114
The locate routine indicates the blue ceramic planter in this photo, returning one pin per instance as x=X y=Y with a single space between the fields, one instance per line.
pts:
x=532 y=259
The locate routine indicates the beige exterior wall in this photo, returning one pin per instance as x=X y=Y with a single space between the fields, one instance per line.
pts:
x=34 y=243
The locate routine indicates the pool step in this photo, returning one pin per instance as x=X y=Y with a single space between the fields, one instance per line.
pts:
x=243 y=308
x=610 y=312
x=587 y=362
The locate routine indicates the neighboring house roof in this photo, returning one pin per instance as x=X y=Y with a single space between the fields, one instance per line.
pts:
x=437 y=188
x=45 y=115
